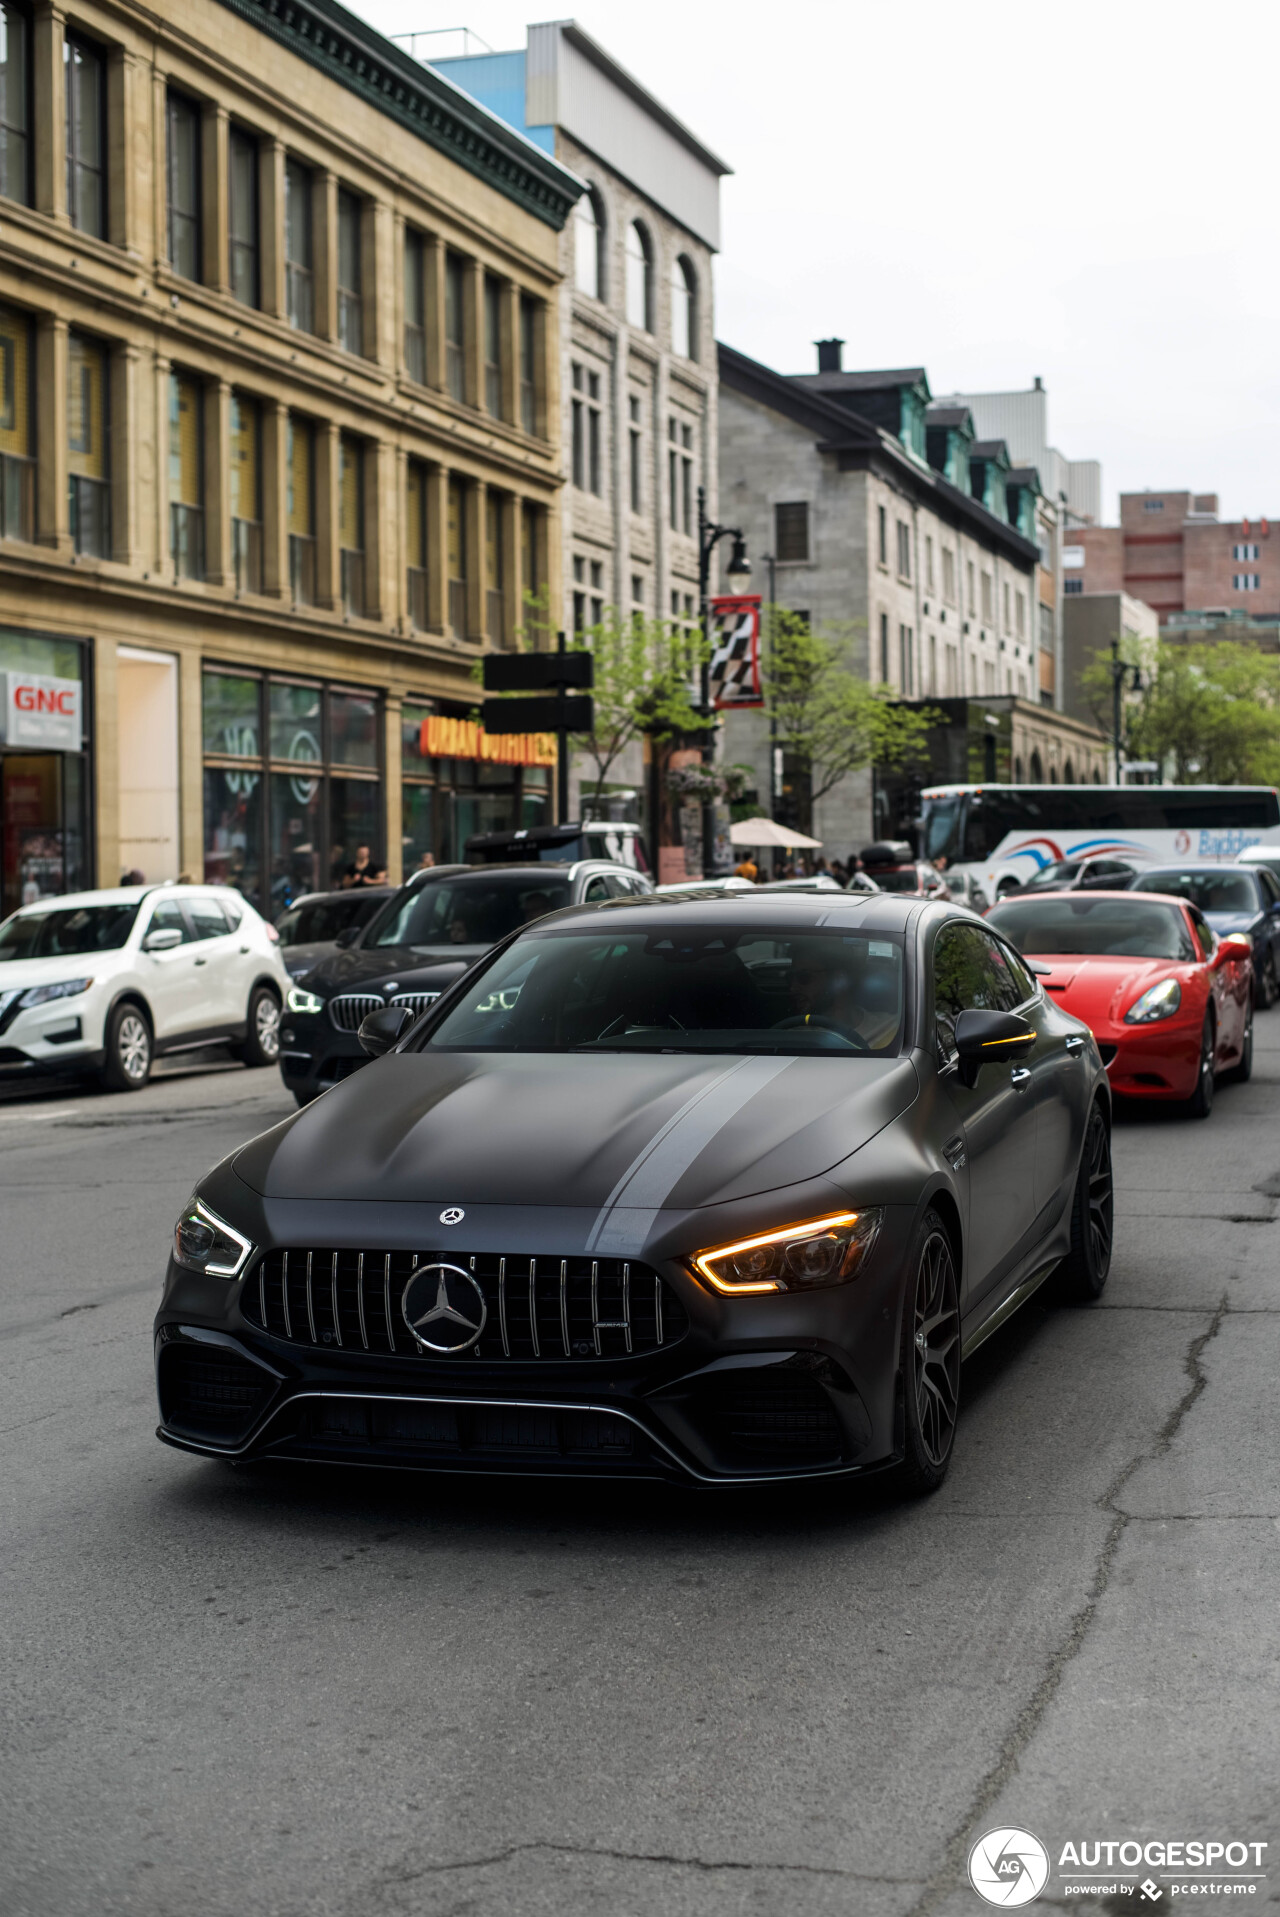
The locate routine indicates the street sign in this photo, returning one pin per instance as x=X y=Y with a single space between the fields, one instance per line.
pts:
x=555 y=714
x=536 y=672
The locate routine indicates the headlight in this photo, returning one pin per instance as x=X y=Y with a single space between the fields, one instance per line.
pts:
x=41 y=994
x=204 y=1242
x=826 y=1251
x=300 y=1001
x=1158 y=1001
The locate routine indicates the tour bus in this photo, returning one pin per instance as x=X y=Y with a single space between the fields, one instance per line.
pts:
x=989 y=839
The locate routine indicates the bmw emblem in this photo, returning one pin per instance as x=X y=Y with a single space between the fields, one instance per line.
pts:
x=444 y=1308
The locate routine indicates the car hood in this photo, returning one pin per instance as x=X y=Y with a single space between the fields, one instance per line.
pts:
x=349 y=970
x=18 y=974
x=1101 y=990
x=501 y=1128
x=1223 y=922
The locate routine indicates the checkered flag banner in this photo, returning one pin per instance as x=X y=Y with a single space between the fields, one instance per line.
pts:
x=735 y=651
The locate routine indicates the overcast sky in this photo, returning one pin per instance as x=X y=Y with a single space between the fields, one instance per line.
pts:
x=992 y=192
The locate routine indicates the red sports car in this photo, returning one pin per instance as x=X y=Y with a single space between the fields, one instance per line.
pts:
x=1169 y=1002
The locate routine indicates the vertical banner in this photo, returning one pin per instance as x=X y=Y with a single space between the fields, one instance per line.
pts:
x=735 y=652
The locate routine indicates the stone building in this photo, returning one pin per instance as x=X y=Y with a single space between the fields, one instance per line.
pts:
x=866 y=507
x=637 y=330
x=1172 y=550
x=280 y=432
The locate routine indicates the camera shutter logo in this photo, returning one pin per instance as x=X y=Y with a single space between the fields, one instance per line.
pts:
x=1008 y=1867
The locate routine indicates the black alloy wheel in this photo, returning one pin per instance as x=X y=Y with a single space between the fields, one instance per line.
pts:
x=1200 y=1103
x=126 y=1066
x=1266 y=986
x=1242 y=1071
x=1083 y=1272
x=930 y=1359
x=262 y=1029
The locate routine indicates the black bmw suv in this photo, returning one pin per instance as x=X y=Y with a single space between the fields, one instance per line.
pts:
x=427 y=935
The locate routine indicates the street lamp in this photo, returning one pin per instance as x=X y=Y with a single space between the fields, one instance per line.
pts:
x=1122 y=675
x=738 y=574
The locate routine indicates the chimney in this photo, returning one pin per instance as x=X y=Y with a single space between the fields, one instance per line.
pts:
x=830 y=355
x=1038 y=387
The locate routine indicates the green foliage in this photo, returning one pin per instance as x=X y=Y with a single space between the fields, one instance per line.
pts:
x=1210 y=716
x=828 y=719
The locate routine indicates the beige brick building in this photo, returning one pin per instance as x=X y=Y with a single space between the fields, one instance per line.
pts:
x=1172 y=550
x=280 y=439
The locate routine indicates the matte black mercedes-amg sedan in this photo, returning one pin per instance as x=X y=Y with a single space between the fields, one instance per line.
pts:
x=720 y=1189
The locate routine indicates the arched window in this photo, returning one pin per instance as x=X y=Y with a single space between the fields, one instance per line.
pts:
x=1053 y=775
x=684 y=309
x=1037 y=769
x=588 y=236
x=1017 y=771
x=1097 y=776
x=639 y=274
x=1068 y=774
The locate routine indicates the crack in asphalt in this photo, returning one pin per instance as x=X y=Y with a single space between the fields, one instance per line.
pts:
x=948 y=1876
x=391 y=1879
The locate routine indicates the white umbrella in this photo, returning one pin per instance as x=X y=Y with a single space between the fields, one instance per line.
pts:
x=765 y=832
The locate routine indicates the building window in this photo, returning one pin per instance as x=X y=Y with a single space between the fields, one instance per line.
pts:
x=1245 y=552
x=680 y=474
x=791 y=532
x=973 y=603
x=184 y=186
x=882 y=535
x=415 y=307
x=529 y=574
x=457 y=558
x=948 y=575
x=639 y=274
x=529 y=365
x=495 y=573
x=884 y=648
x=588 y=233
x=1246 y=581
x=86 y=73
x=637 y=593
x=350 y=276
x=684 y=309
x=455 y=350
x=301 y=461
x=17 y=467
x=87 y=429
x=416 y=543
x=906 y=661
x=585 y=423
x=928 y=565
x=1020 y=607
x=15 y=103
x=904 y=550
x=351 y=526
x=1006 y=605
x=1153 y=505
x=636 y=452
x=246 y=492
x=242 y=217
x=186 y=473
x=1073 y=585
x=299 y=257
x=493 y=347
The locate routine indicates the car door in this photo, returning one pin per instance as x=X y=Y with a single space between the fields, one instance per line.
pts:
x=169 y=979
x=1269 y=887
x=596 y=889
x=217 y=964
x=1227 y=989
x=995 y=1117
x=1056 y=1090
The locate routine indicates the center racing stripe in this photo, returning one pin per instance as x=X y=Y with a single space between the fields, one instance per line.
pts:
x=627 y=1215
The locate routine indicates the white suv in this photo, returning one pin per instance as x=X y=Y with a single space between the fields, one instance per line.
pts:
x=106 y=981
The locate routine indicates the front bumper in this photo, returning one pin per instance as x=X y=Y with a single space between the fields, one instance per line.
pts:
x=1152 y=1061
x=752 y=1390
x=314 y=1054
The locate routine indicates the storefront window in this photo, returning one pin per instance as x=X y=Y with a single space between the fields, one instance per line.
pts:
x=353 y=729
x=296 y=835
x=296 y=723
x=232 y=716
x=233 y=829
x=355 y=819
x=535 y=797
x=43 y=782
x=417 y=809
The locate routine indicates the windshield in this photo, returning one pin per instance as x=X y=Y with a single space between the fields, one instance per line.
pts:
x=1207 y=891
x=474 y=909
x=941 y=831
x=322 y=919
x=1075 y=925
x=68 y=932
x=691 y=988
x=902 y=878
x=1060 y=873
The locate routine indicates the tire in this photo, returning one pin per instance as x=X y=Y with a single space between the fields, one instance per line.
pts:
x=128 y=1050
x=1266 y=987
x=1241 y=1074
x=1081 y=1276
x=261 y=1044
x=929 y=1358
x=1200 y=1103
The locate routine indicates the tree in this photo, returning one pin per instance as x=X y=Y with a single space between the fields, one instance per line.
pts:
x=644 y=669
x=1210 y=714
x=829 y=720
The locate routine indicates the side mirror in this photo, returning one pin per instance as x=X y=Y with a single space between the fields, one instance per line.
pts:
x=382 y=1029
x=985 y=1038
x=347 y=936
x=163 y=939
x=1232 y=947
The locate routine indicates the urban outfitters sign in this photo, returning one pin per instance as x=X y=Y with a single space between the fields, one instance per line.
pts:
x=441 y=738
x=40 y=711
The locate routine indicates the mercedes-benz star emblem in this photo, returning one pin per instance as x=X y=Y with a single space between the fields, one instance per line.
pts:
x=444 y=1308
x=452 y=1215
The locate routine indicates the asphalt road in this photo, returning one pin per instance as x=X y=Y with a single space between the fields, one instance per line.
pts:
x=226 y=1693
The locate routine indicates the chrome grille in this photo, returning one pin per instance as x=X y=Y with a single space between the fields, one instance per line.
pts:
x=538 y=1308
x=351 y=1010
x=417 y=1002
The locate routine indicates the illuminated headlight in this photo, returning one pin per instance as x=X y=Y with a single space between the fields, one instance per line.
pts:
x=66 y=988
x=300 y=1001
x=204 y=1242
x=825 y=1251
x=1158 y=1001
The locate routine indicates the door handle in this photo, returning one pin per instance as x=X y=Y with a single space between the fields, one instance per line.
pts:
x=202 y=961
x=1020 y=1078
x=243 y=950
x=1075 y=1043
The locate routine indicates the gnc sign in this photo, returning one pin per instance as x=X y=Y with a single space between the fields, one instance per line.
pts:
x=40 y=711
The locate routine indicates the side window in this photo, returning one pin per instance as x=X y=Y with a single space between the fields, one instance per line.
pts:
x=597 y=888
x=1025 y=983
x=1270 y=890
x=1204 y=932
x=234 y=913
x=970 y=974
x=208 y=918
x=169 y=916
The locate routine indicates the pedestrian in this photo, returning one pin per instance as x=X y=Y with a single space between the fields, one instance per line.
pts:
x=361 y=871
x=426 y=862
x=747 y=868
